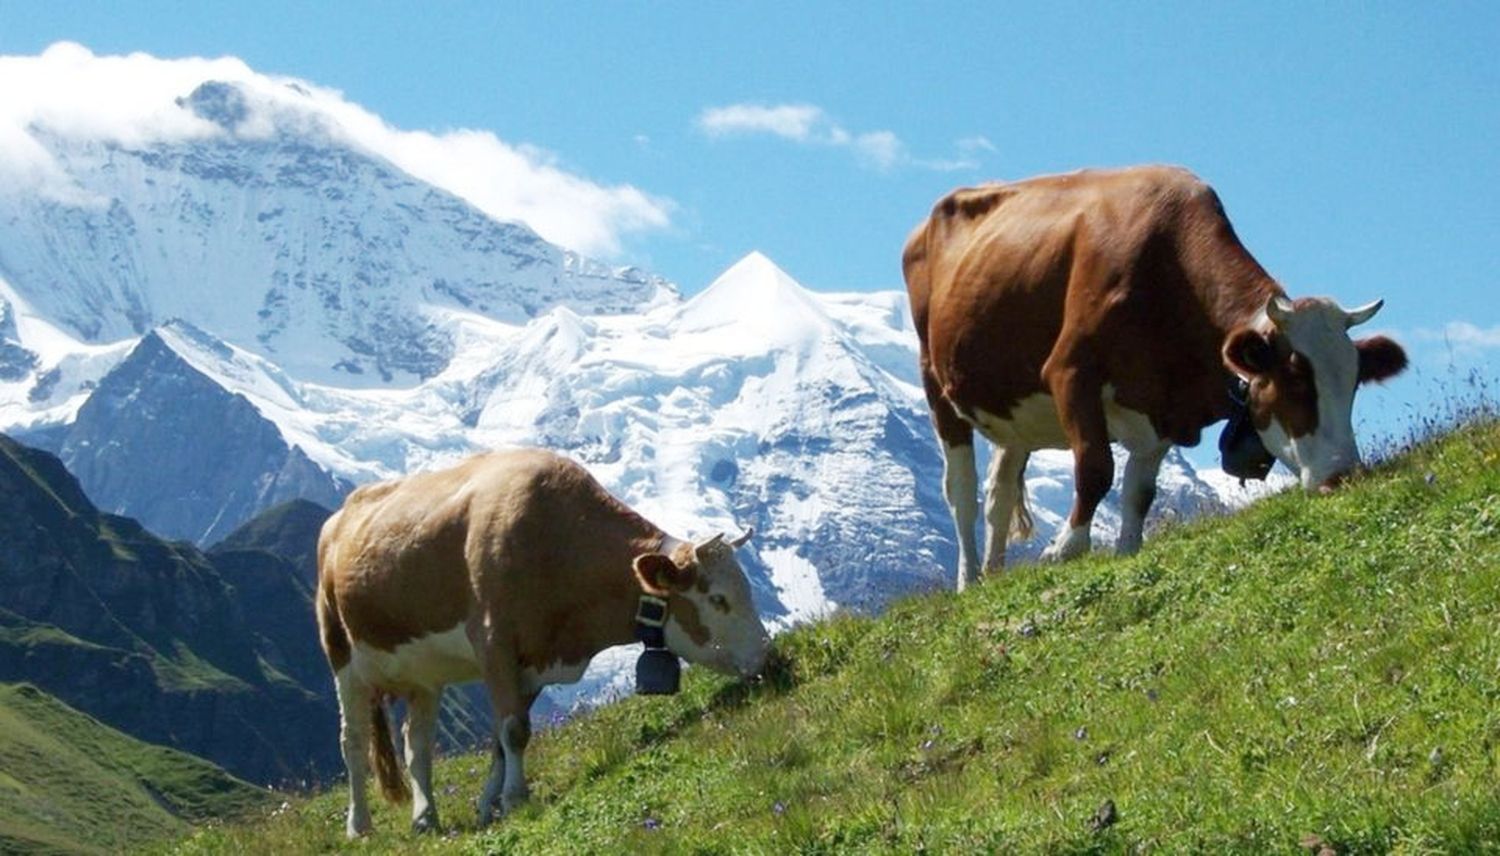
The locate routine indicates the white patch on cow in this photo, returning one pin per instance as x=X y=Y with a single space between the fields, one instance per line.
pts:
x=1032 y=424
x=1319 y=331
x=737 y=642
x=428 y=662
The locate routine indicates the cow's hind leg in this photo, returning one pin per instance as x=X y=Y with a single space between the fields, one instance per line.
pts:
x=1080 y=408
x=1137 y=493
x=1005 y=511
x=961 y=490
x=960 y=478
x=421 y=732
x=355 y=707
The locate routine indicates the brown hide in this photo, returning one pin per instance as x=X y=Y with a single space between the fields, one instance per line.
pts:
x=525 y=546
x=1128 y=277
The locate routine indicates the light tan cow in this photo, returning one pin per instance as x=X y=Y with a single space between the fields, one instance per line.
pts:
x=516 y=567
x=1066 y=311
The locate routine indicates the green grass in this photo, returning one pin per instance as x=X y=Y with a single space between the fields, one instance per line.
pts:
x=1313 y=668
x=70 y=784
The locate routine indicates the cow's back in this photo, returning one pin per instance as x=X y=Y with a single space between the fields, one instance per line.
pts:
x=391 y=561
x=518 y=538
x=1118 y=256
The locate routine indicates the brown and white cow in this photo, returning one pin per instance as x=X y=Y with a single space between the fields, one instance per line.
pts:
x=1071 y=310
x=516 y=567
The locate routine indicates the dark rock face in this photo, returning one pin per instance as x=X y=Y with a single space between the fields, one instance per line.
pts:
x=15 y=361
x=164 y=444
x=151 y=636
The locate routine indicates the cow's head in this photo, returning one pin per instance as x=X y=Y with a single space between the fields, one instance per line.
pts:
x=1303 y=369
x=711 y=617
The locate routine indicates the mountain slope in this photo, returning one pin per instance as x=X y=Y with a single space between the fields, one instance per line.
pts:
x=1309 y=672
x=270 y=228
x=70 y=784
x=144 y=634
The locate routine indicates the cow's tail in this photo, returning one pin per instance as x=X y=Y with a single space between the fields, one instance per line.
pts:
x=383 y=755
x=1022 y=526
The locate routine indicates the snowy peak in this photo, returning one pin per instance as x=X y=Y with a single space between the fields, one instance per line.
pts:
x=759 y=299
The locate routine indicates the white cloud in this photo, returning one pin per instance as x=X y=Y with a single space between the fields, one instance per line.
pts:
x=1463 y=336
x=70 y=93
x=799 y=122
x=975 y=144
x=808 y=124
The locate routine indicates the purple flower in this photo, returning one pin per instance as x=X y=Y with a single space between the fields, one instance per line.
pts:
x=651 y=823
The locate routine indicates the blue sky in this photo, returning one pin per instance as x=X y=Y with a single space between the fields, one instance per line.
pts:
x=1355 y=146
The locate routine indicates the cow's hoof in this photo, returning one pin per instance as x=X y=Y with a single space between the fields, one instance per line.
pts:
x=1070 y=545
x=426 y=822
x=357 y=827
x=511 y=802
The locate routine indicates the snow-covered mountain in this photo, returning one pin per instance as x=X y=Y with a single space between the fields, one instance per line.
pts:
x=275 y=234
x=276 y=312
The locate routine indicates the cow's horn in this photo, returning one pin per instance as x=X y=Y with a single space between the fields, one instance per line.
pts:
x=1362 y=314
x=1278 y=309
x=740 y=541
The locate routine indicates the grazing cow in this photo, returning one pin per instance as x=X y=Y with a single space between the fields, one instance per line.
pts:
x=1066 y=311
x=516 y=567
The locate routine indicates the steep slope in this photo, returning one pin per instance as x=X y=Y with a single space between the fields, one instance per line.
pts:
x=160 y=441
x=70 y=784
x=1310 y=673
x=288 y=531
x=143 y=634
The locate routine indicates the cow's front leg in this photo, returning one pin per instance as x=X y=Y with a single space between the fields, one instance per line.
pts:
x=1080 y=409
x=512 y=709
x=515 y=733
x=507 y=780
x=1137 y=494
x=421 y=731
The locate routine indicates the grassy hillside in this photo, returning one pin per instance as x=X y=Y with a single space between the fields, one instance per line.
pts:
x=71 y=784
x=1311 y=672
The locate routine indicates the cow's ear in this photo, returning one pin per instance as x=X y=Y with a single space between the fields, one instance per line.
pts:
x=659 y=575
x=1249 y=352
x=1379 y=358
